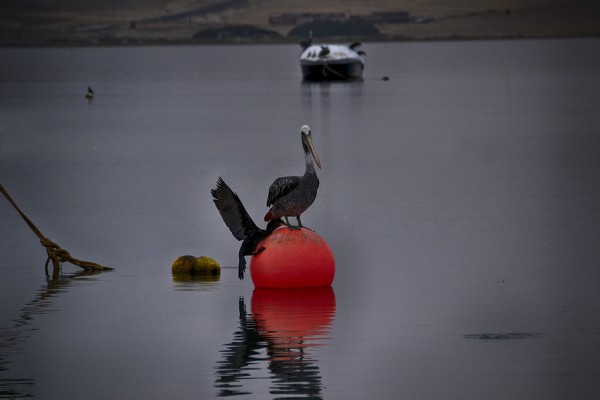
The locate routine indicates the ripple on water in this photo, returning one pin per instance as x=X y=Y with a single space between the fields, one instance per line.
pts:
x=502 y=336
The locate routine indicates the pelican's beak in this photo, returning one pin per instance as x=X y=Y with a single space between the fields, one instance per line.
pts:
x=307 y=139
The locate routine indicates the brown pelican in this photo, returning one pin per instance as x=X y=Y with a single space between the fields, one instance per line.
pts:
x=290 y=196
x=239 y=223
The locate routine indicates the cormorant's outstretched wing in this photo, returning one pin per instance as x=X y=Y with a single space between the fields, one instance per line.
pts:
x=280 y=187
x=232 y=211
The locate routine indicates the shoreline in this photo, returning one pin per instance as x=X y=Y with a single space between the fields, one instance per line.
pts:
x=111 y=42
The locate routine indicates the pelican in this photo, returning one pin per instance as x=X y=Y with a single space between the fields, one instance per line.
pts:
x=239 y=223
x=290 y=196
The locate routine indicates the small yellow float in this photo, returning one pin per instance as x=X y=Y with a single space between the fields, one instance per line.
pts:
x=197 y=266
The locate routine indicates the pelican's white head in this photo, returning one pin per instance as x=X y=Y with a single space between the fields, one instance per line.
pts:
x=307 y=144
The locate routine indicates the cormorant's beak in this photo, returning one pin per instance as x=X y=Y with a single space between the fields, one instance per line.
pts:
x=308 y=142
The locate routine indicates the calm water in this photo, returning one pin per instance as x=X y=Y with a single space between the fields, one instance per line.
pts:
x=461 y=199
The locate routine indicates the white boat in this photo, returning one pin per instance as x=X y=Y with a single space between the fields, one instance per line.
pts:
x=327 y=62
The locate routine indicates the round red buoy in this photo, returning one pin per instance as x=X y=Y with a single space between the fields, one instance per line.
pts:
x=293 y=258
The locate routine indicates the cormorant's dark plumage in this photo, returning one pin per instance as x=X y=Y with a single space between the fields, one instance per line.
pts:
x=240 y=224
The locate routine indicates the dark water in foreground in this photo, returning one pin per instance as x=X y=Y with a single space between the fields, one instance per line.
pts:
x=461 y=200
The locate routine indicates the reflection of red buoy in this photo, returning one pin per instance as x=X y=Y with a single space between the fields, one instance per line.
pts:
x=293 y=316
x=296 y=258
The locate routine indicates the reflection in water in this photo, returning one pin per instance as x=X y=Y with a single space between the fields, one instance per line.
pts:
x=196 y=282
x=12 y=338
x=279 y=334
x=16 y=388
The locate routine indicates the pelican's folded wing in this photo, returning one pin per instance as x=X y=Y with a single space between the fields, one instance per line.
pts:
x=280 y=187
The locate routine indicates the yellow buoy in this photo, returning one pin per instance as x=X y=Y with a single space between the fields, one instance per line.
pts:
x=190 y=265
x=183 y=264
x=205 y=266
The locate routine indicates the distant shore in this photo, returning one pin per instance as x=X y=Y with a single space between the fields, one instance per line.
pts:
x=108 y=41
x=256 y=25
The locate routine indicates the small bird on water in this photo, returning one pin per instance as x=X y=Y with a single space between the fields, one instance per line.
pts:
x=240 y=223
x=290 y=196
x=90 y=93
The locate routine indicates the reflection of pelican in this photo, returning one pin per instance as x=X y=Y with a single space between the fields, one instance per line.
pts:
x=239 y=223
x=288 y=325
x=90 y=93
x=290 y=196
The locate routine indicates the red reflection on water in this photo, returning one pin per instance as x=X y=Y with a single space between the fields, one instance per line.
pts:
x=293 y=318
x=278 y=333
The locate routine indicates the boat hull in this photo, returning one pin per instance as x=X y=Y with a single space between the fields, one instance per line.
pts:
x=332 y=70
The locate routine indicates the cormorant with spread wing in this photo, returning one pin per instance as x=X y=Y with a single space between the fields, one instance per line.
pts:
x=240 y=224
x=290 y=196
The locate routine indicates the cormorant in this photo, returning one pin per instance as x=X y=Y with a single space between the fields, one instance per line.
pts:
x=240 y=224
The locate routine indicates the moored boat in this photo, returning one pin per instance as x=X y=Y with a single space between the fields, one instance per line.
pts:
x=330 y=62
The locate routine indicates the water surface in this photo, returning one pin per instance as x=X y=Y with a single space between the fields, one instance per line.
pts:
x=460 y=198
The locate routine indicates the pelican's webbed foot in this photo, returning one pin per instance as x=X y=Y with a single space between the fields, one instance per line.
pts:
x=290 y=226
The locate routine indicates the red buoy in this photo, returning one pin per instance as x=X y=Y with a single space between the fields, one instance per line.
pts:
x=293 y=258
